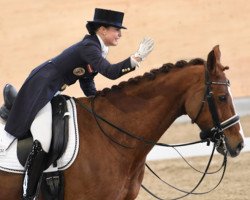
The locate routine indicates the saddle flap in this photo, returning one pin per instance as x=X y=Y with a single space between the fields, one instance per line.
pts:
x=24 y=147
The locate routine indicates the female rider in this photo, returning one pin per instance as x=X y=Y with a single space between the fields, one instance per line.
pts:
x=81 y=61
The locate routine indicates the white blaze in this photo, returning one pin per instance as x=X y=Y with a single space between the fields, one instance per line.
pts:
x=241 y=130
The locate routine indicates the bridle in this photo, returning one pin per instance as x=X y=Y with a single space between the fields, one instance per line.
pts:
x=215 y=134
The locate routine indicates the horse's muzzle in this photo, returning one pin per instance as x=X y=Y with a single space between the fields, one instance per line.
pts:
x=235 y=152
x=240 y=147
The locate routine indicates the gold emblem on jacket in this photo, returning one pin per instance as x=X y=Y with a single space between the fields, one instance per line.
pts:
x=79 y=71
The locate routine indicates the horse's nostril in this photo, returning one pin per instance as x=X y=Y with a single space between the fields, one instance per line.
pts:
x=240 y=146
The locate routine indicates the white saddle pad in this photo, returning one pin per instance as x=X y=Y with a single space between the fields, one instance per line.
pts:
x=9 y=161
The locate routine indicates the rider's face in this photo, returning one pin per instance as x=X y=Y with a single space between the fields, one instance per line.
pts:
x=110 y=35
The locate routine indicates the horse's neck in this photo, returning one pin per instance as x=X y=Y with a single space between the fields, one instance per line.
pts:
x=148 y=108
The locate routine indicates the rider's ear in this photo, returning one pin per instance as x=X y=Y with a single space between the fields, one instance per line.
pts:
x=213 y=59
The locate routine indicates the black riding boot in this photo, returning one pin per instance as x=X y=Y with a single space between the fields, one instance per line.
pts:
x=9 y=95
x=33 y=171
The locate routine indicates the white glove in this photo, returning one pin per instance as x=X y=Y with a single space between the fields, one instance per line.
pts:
x=146 y=46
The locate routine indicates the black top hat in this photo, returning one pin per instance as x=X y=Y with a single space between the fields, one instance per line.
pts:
x=108 y=17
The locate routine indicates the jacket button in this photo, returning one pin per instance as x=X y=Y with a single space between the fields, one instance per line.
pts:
x=63 y=87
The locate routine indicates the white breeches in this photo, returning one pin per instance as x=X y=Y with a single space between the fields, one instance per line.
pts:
x=41 y=127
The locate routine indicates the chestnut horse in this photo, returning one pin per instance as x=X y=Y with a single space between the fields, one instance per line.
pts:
x=105 y=169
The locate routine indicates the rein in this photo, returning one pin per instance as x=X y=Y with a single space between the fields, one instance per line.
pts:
x=217 y=132
x=224 y=164
x=197 y=185
x=132 y=135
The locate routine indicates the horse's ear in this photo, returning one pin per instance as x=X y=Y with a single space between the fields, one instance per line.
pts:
x=213 y=59
x=217 y=53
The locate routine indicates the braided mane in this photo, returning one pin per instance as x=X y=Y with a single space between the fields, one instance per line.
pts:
x=165 y=68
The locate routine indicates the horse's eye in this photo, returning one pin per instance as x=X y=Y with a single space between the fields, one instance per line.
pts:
x=223 y=98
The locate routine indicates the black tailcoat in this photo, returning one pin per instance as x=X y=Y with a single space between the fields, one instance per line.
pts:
x=48 y=78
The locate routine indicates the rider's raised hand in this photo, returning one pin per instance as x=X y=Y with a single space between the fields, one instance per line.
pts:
x=146 y=46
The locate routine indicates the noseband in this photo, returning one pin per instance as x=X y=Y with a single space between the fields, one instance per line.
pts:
x=215 y=134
